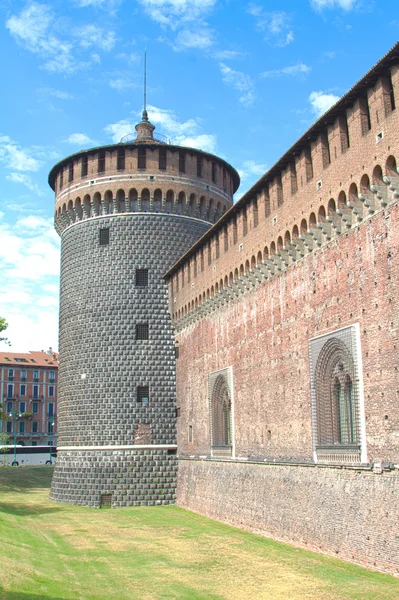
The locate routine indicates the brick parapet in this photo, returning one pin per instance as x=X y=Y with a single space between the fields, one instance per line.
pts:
x=358 y=182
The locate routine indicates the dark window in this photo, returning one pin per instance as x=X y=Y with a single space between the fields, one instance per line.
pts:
x=84 y=168
x=143 y=395
x=35 y=408
x=190 y=434
x=61 y=178
x=279 y=183
x=202 y=259
x=308 y=163
x=235 y=237
x=22 y=390
x=10 y=373
x=51 y=391
x=10 y=391
x=255 y=213
x=199 y=166
x=388 y=94
x=162 y=159
x=344 y=132
x=22 y=407
x=195 y=266
x=142 y=331
x=226 y=239
x=104 y=237
x=141 y=277
x=214 y=172
x=121 y=159
x=177 y=351
x=182 y=162
x=34 y=427
x=294 y=179
x=365 y=114
x=209 y=253
x=141 y=158
x=325 y=149
x=9 y=426
x=178 y=412
x=35 y=391
x=9 y=407
x=22 y=427
x=51 y=409
x=391 y=92
x=244 y=221
x=70 y=172
x=101 y=161
x=217 y=252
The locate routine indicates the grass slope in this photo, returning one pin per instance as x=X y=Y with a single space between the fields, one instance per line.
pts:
x=60 y=552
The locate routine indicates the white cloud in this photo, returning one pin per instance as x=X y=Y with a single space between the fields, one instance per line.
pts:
x=121 y=81
x=60 y=94
x=275 y=24
x=300 y=69
x=29 y=263
x=92 y=35
x=202 y=38
x=239 y=81
x=186 y=18
x=26 y=180
x=321 y=102
x=344 y=4
x=108 y=5
x=250 y=169
x=184 y=133
x=38 y=30
x=227 y=54
x=17 y=158
x=79 y=139
x=172 y=13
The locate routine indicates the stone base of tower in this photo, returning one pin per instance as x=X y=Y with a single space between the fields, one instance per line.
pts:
x=117 y=477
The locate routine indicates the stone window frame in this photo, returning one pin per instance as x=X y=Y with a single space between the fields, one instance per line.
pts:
x=143 y=393
x=334 y=359
x=224 y=379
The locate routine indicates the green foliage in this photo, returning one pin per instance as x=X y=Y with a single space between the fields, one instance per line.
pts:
x=4 y=440
x=53 y=550
x=3 y=327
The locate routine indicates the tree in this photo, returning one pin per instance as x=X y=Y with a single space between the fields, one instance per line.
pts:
x=3 y=326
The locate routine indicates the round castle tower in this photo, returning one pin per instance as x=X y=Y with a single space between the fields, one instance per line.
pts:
x=125 y=214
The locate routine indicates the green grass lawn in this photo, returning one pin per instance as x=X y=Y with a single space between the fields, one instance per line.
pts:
x=51 y=550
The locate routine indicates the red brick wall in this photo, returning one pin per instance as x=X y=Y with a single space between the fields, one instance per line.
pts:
x=264 y=336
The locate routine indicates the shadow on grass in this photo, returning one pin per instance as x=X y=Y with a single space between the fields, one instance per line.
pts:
x=28 y=596
x=24 y=510
x=14 y=480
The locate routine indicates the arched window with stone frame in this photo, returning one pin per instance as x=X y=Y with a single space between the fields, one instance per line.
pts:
x=221 y=412
x=337 y=397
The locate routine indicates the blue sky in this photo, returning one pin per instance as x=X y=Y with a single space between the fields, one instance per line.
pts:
x=241 y=79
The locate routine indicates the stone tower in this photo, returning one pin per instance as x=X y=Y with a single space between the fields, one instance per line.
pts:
x=125 y=213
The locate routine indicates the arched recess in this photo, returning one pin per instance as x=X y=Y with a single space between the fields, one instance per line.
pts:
x=216 y=288
x=312 y=221
x=221 y=413
x=192 y=206
x=133 y=198
x=226 y=281
x=336 y=396
x=202 y=207
x=181 y=201
x=377 y=175
x=120 y=201
x=231 y=277
x=272 y=249
x=78 y=208
x=295 y=233
x=259 y=258
x=170 y=197
x=108 y=203
x=247 y=267
x=390 y=167
x=145 y=200
x=97 y=204
x=265 y=253
x=71 y=212
x=235 y=274
x=253 y=262
x=87 y=204
x=364 y=184
x=241 y=270
x=211 y=209
x=279 y=243
x=352 y=193
x=332 y=209
x=304 y=227
x=220 y=285
x=218 y=212
x=287 y=239
x=157 y=201
x=212 y=291
x=321 y=215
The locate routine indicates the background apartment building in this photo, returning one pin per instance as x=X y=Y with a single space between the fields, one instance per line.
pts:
x=29 y=385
